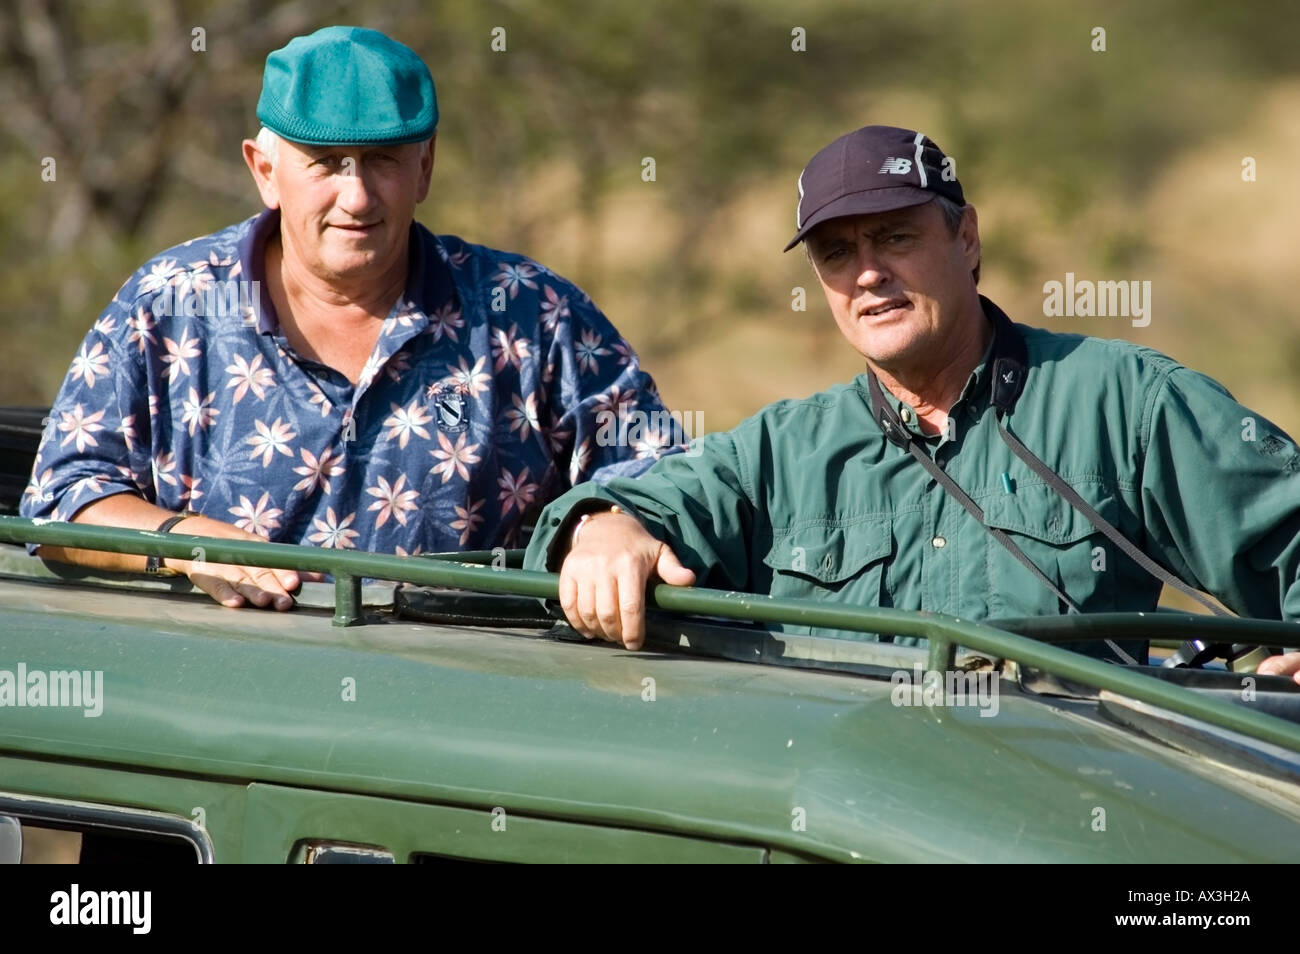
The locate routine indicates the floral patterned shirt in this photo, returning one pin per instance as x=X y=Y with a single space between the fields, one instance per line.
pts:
x=484 y=398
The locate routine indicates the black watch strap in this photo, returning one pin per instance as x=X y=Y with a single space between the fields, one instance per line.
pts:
x=166 y=525
x=153 y=565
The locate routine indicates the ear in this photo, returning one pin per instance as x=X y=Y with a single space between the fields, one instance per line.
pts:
x=426 y=167
x=969 y=236
x=261 y=169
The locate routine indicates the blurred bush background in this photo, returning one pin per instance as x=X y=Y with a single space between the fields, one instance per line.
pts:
x=1122 y=164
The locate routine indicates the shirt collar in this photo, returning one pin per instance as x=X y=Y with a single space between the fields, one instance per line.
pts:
x=251 y=249
x=980 y=376
x=976 y=384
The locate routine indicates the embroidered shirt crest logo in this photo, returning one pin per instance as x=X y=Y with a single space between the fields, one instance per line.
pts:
x=449 y=407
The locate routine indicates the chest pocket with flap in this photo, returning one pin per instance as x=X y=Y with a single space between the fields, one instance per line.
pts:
x=1062 y=542
x=811 y=560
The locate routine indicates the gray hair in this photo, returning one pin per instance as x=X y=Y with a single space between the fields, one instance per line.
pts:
x=269 y=143
x=952 y=216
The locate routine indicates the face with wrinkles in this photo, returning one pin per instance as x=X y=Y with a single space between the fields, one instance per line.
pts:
x=898 y=283
x=345 y=211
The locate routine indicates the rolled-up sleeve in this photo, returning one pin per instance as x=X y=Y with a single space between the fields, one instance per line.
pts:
x=1221 y=496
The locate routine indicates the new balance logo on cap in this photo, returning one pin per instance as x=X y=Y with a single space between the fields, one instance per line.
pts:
x=896 y=167
x=872 y=169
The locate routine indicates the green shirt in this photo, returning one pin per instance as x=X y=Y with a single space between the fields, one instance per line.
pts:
x=808 y=499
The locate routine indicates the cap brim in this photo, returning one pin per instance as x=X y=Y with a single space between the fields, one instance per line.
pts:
x=863 y=203
x=335 y=138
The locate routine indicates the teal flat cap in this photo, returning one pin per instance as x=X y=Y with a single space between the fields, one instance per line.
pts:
x=347 y=86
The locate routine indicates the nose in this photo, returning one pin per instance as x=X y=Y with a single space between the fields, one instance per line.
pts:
x=356 y=194
x=872 y=270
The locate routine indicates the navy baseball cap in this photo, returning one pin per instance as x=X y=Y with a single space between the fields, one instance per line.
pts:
x=873 y=169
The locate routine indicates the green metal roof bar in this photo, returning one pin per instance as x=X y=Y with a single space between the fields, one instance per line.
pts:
x=932 y=626
x=1155 y=625
x=439 y=571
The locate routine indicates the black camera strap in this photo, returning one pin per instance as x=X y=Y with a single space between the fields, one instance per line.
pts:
x=1009 y=373
x=899 y=435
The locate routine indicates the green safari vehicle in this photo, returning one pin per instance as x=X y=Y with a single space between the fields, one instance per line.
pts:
x=446 y=716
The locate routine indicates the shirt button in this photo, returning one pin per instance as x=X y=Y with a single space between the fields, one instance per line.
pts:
x=938 y=543
x=828 y=562
x=907 y=415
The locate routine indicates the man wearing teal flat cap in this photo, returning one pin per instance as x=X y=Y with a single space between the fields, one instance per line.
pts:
x=330 y=372
x=348 y=85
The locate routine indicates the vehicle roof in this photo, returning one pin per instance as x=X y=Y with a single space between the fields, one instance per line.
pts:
x=482 y=718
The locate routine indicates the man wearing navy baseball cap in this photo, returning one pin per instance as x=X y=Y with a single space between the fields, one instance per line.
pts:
x=875 y=169
x=331 y=372
x=978 y=467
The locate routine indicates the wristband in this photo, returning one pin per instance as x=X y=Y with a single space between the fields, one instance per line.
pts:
x=153 y=565
x=573 y=540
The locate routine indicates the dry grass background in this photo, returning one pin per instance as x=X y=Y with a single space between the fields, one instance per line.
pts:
x=1114 y=165
x=1221 y=255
